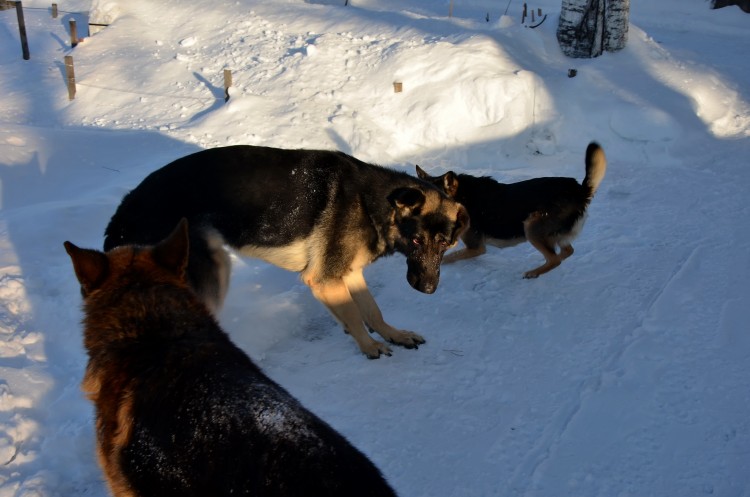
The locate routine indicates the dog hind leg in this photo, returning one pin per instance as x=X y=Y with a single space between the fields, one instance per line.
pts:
x=537 y=235
x=373 y=317
x=566 y=250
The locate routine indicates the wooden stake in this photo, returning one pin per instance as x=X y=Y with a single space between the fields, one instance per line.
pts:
x=73 y=33
x=22 y=31
x=71 y=77
x=227 y=83
x=54 y=11
x=450 y=9
x=523 y=17
x=398 y=87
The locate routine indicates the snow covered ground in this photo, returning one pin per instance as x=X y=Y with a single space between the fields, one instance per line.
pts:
x=624 y=372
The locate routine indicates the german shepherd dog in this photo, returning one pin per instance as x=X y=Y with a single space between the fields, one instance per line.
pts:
x=323 y=214
x=548 y=212
x=182 y=411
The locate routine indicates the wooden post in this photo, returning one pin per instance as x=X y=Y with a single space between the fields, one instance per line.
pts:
x=450 y=9
x=523 y=16
x=227 y=83
x=73 y=33
x=71 y=77
x=54 y=11
x=22 y=31
x=539 y=12
x=398 y=87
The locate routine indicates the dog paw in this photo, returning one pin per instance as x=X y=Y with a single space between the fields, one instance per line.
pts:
x=530 y=275
x=376 y=349
x=408 y=339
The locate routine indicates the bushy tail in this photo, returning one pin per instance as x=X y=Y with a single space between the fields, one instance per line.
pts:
x=596 y=166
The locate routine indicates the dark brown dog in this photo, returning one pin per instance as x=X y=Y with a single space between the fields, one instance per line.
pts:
x=323 y=214
x=548 y=212
x=180 y=410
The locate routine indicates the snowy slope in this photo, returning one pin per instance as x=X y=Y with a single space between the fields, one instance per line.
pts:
x=621 y=373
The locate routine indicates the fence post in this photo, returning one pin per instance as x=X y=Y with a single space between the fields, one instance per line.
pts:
x=227 y=83
x=71 y=77
x=73 y=33
x=22 y=31
x=54 y=11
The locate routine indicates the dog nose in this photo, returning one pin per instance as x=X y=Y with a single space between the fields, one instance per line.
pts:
x=424 y=283
x=428 y=288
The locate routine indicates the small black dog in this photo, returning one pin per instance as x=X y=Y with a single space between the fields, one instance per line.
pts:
x=180 y=410
x=548 y=212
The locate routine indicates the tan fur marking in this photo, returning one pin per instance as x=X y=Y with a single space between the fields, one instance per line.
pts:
x=433 y=201
x=112 y=465
x=293 y=257
x=91 y=384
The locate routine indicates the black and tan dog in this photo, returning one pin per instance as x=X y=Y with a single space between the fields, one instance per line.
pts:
x=548 y=212
x=323 y=214
x=180 y=410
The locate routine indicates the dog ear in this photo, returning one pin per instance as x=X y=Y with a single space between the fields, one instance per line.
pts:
x=450 y=184
x=91 y=267
x=406 y=199
x=172 y=252
x=422 y=174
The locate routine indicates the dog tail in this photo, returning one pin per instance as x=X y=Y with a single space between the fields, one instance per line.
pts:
x=596 y=166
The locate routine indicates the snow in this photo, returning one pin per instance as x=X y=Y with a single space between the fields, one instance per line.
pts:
x=621 y=373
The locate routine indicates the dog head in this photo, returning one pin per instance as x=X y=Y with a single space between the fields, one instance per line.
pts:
x=447 y=182
x=427 y=223
x=100 y=272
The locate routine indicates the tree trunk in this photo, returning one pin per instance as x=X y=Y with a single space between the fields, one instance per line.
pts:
x=616 y=22
x=589 y=27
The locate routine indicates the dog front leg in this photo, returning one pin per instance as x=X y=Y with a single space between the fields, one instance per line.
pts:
x=355 y=282
x=474 y=245
x=336 y=297
x=464 y=253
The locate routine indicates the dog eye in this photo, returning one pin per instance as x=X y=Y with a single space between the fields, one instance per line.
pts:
x=416 y=241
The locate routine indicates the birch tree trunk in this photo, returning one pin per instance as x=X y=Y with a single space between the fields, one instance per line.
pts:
x=616 y=22
x=589 y=27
